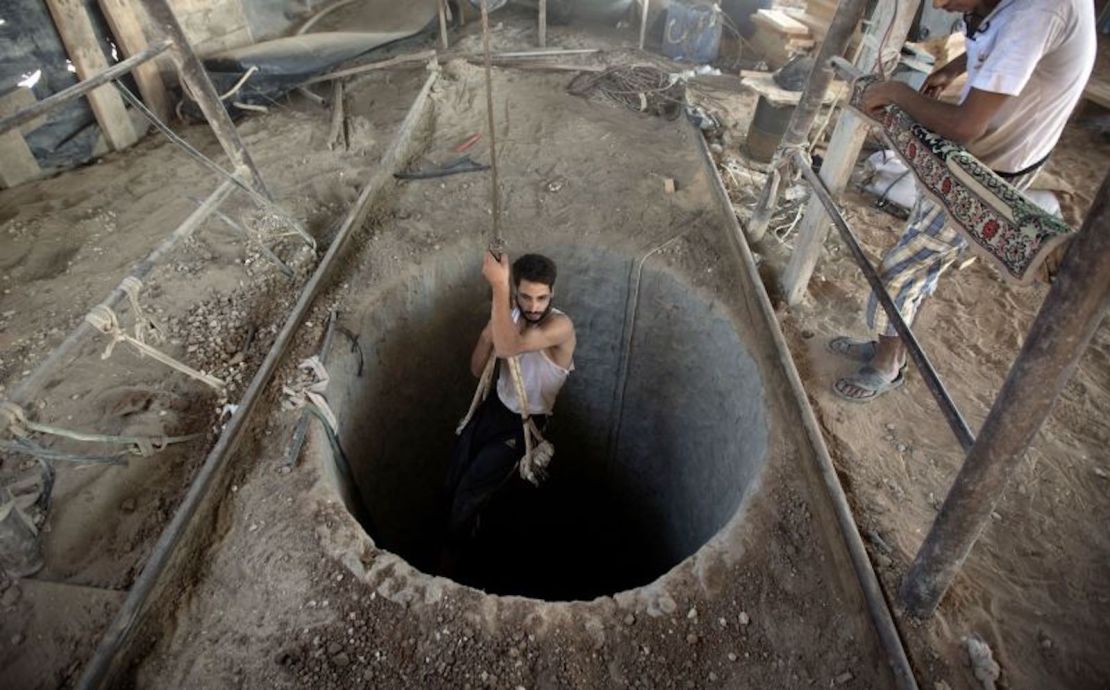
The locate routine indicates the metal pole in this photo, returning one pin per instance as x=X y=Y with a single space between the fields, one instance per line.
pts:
x=106 y=660
x=644 y=21
x=72 y=347
x=81 y=88
x=441 y=10
x=199 y=87
x=543 y=23
x=1067 y=320
x=844 y=22
x=871 y=589
x=928 y=374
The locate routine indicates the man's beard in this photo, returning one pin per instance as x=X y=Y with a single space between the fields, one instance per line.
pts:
x=534 y=319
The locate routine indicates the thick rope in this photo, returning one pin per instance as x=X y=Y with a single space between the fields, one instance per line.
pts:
x=309 y=391
x=144 y=325
x=103 y=319
x=21 y=427
x=480 y=393
x=497 y=243
x=538 y=451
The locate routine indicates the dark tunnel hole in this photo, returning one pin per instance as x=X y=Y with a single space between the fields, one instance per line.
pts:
x=657 y=443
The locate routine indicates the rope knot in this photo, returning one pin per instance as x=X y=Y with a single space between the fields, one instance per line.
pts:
x=102 y=318
x=144 y=325
x=16 y=417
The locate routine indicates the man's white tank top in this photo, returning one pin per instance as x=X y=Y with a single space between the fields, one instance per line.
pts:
x=543 y=379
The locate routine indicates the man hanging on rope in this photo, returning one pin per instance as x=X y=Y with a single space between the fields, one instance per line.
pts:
x=523 y=324
x=1027 y=62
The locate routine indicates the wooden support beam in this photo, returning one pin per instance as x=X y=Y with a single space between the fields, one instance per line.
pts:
x=195 y=80
x=79 y=38
x=543 y=23
x=848 y=14
x=441 y=11
x=1065 y=324
x=36 y=111
x=127 y=28
x=17 y=163
x=844 y=146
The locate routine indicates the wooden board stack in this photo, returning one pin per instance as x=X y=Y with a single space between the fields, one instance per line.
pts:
x=780 y=37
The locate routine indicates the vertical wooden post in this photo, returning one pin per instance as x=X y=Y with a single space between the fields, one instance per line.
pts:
x=843 y=26
x=85 y=52
x=441 y=10
x=1068 y=319
x=128 y=31
x=17 y=163
x=196 y=81
x=844 y=146
x=543 y=23
x=643 y=22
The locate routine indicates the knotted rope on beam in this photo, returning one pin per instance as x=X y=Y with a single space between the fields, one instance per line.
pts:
x=1002 y=225
x=103 y=319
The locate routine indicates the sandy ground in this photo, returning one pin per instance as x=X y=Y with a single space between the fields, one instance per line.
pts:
x=1035 y=589
x=777 y=616
x=67 y=241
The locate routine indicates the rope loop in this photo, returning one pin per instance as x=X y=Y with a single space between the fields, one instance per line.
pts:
x=16 y=417
x=102 y=318
x=144 y=325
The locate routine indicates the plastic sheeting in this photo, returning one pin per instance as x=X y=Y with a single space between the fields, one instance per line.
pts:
x=30 y=43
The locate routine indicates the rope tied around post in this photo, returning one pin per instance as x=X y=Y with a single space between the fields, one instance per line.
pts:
x=103 y=319
x=145 y=326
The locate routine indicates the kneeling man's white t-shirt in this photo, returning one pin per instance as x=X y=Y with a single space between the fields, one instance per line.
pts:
x=1041 y=53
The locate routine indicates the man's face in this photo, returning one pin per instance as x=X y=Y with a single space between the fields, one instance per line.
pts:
x=533 y=299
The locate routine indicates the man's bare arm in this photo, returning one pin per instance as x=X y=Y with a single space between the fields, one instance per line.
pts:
x=482 y=351
x=508 y=340
x=961 y=123
x=942 y=77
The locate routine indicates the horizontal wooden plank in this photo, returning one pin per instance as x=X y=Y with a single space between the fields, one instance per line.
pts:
x=781 y=22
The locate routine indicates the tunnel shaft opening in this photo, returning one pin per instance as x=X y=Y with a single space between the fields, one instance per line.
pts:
x=660 y=432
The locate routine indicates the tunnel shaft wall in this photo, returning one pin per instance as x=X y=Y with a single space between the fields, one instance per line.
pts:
x=659 y=433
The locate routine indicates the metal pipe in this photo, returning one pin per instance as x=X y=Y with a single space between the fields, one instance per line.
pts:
x=261 y=199
x=872 y=591
x=69 y=350
x=106 y=660
x=1065 y=324
x=81 y=88
x=542 y=28
x=951 y=413
x=199 y=87
x=844 y=22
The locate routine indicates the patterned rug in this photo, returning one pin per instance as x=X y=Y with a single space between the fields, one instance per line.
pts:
x=1001 y=223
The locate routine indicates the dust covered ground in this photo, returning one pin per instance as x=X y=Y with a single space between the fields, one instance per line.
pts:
x=1037 y=585
x=271 y=604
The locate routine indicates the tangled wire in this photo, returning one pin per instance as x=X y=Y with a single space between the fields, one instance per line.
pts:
x=642 y=88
